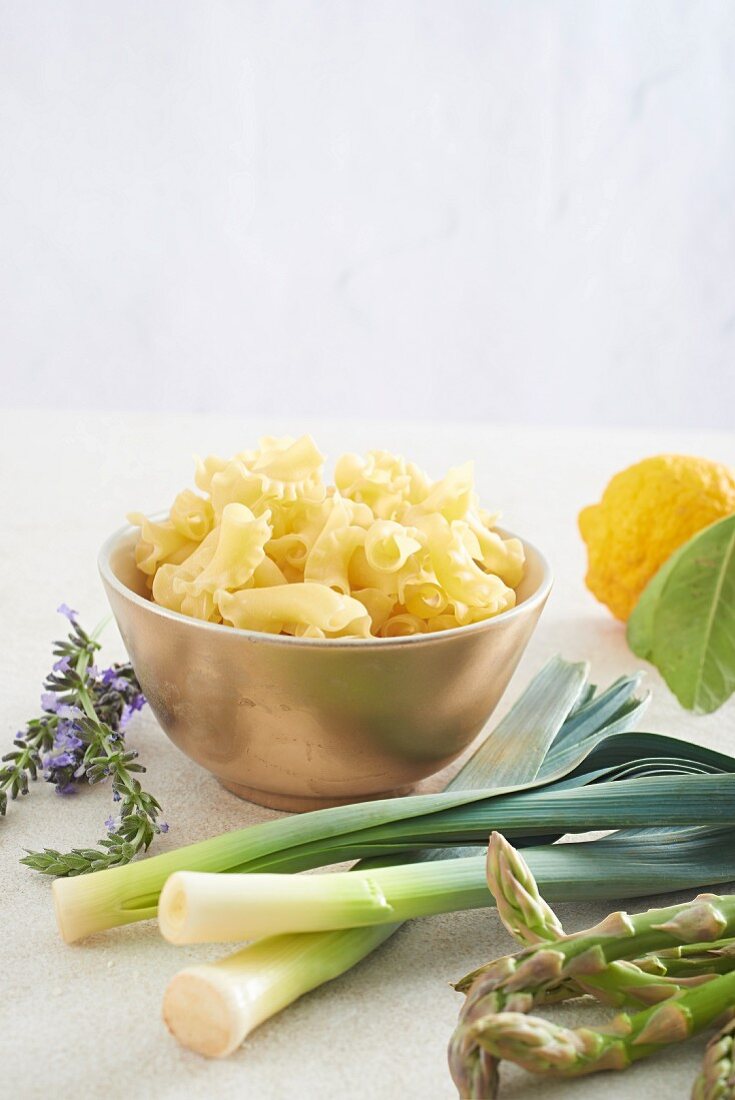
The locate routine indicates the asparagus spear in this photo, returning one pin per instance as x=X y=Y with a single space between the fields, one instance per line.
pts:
x=588 y=962
x=523 y=911
x=543 y=1047
x=531 y=920
x=620 y=936
x=716 y=1080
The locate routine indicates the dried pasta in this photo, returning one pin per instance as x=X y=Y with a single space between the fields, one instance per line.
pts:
x=267 y=545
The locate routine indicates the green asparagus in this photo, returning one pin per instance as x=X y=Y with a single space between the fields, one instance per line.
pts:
x=716 y=1080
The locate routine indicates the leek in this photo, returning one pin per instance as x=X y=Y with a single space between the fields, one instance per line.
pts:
x=126 y=894
x=212 y=1008
x=210 y=908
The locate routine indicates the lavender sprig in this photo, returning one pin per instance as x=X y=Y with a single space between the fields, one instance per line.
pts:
x=80 y=738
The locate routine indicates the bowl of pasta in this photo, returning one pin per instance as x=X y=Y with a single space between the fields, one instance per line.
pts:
x=315 y=644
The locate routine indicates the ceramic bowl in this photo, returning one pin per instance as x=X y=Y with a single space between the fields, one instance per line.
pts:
x=297 y=723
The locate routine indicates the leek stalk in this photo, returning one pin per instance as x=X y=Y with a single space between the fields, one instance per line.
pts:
x=210 y=908
x=126 y=894
x=212 y=1008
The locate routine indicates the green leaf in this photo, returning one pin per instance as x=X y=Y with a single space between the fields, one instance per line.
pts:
x=685 y=621
x=640 y=623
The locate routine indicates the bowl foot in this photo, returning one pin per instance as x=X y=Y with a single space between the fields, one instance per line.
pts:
x=297 y=804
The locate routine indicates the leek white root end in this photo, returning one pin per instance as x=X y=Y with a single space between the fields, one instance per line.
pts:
x=211 y=1008
x=202 y=1011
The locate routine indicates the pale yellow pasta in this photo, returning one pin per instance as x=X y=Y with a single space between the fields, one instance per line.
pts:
x=192 y=515
x=159 y=543
x=389 y=545
x=328 y=560
x=362 y=575
x=205 y=469
x=402 y=625
x=285 y=607
x=267 y=545
x=452 y=497
x=240 y=550
x=235 y=484
x=267 y=574
x=442 y=622
x=502 y=556
x=303 y=631
x=169 y=580
x=290 y=468
x=425 y=598
x=456 y=570
x=380 y=480
x=502 y=599
x=378 y=604
x=289 y=551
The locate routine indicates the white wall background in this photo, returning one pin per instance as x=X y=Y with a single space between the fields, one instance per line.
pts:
x=509 y=211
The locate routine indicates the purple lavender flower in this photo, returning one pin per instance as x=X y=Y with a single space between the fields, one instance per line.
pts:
x=66 y=788
x=108 y=676
x=92 y=672
x=62 y=665
x=116 y=796
x=163 y=827
x=64 y=710
x=50 y=702
x=110 y=824
x=60 y=760
x=66 y=611
x=66 y=738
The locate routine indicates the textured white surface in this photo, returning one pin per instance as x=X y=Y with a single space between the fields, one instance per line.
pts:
x=85 y=1020
x=497 y=211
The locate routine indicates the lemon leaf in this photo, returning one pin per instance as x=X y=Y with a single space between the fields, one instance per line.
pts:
x=640 y=623
x=685 y=621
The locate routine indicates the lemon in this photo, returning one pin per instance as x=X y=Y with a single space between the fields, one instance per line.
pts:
x=646 y=513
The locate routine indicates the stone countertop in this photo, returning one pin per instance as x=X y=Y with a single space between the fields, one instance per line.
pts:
x=86 y=1020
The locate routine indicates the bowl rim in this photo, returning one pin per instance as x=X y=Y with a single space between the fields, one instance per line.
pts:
x=537 y=597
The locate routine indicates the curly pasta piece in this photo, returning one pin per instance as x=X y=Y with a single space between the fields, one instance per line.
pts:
x=378 y=604
x=389 y=545
x=425 y=597
x=329 y=558
x=442 y=622
x=452 y=497
x=205 y=469
x=240 y=550
x=159 y=543
x=402 y=625
x=362 y=575
x=169 y=581
x=380 y=480
x=236 y=484
x=502 y=600
x=291 y=605
x=506 y=557
x=290 y=468
x=192 y=515
x=267 y=575
x=456 y=570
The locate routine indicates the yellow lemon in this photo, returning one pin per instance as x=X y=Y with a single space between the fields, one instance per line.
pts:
x=646 y=513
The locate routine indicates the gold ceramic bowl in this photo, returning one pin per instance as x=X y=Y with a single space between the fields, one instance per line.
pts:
x=299 y=723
